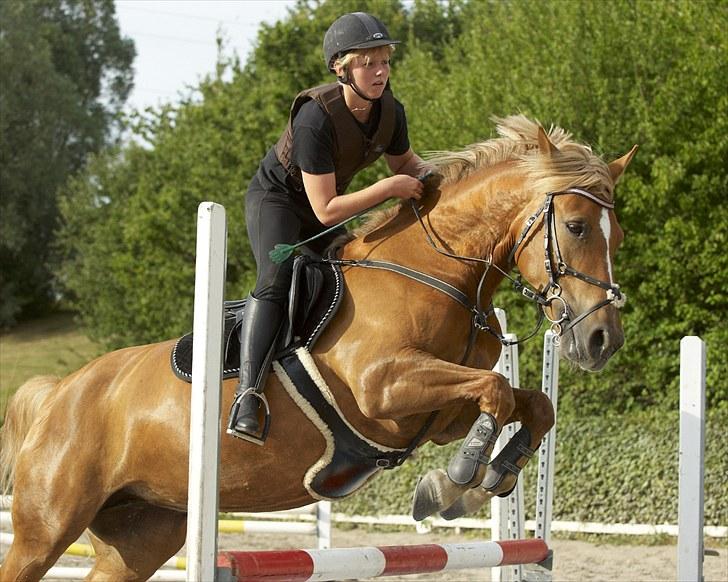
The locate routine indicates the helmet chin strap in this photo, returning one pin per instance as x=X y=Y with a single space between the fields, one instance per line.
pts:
x=358 y=92
x=347 y=81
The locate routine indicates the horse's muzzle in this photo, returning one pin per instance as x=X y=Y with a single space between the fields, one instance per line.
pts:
x=602 y=343
x=592 y=347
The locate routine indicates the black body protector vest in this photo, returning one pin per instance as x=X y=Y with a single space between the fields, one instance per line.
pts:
x=353 y=150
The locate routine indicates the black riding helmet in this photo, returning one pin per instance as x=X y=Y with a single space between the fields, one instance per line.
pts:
x=357 y=30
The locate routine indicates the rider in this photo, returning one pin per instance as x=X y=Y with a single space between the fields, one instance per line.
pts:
x=333 y=132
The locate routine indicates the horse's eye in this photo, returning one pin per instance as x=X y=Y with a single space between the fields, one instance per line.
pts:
x=576 y=228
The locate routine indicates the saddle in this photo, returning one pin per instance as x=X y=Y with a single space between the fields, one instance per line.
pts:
x=316 y=291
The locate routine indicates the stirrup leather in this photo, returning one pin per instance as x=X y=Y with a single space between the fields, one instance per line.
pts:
x=252 y=438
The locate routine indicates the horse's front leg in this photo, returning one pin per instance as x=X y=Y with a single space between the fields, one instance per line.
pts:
x=416 y=382
x=536 y=414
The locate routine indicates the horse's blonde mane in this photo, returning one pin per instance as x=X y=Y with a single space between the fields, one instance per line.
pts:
x=574 y=165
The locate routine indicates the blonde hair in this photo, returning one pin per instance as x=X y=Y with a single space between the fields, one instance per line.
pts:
x=366 y=54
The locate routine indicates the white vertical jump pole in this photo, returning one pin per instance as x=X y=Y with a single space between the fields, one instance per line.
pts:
x=691 y=460
x=323 y=524
x=508 y=520
x=516 y=524
x=546 y=460
x=507 y=515
x=205 y=398
x=498 y=507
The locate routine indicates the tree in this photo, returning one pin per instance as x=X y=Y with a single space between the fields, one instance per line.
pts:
x=65 y=74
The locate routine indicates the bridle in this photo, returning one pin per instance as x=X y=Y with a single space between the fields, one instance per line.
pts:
x=552 y=291
x=558 y=267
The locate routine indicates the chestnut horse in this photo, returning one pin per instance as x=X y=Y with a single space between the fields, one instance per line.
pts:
x=106 y=448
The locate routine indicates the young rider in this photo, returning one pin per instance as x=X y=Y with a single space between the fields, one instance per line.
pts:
x=333 y=132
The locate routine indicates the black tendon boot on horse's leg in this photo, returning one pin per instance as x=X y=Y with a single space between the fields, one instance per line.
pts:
x=438 y=490
x=473 y=453
x=500 y=478
x=258 y=332
x=497 y=479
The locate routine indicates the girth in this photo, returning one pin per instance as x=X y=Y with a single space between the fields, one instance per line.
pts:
x=352 y=459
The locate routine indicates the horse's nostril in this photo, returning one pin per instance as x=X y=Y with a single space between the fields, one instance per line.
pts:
x=598 y=342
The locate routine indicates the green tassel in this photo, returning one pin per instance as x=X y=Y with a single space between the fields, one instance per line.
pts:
x=281 y=252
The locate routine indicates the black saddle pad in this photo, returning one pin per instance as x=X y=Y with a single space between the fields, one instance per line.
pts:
x=316 y=292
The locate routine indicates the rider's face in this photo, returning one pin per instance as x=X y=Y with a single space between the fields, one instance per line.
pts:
x=370 y=72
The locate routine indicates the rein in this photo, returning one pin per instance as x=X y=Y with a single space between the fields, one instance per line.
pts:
x=552 y=291
x=543 y=299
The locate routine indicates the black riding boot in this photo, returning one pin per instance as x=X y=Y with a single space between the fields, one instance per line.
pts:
x=258 y=332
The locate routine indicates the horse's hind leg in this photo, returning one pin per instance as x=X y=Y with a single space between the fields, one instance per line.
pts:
x=536 y=414
x=45 y=522
x=34 y=549
x=132 y=540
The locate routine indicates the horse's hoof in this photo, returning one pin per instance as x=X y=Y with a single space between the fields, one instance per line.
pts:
x=423 y=503
x=455 y=511
x=470 y=502
x=427 y=498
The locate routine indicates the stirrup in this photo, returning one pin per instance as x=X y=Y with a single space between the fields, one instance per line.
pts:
x=251 y=438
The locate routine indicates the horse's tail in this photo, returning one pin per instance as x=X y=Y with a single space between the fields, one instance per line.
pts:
x=22 y=411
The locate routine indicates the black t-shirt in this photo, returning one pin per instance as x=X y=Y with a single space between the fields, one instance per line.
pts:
x=313 y=145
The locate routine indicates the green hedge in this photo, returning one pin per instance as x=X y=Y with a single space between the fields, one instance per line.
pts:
x=616 y=469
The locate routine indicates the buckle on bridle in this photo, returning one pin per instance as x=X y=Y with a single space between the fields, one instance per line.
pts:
x=616 y=297
x=480 y=320
x=528 y=293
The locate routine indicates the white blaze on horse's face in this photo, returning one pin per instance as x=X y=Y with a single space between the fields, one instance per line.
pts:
x=606 y=226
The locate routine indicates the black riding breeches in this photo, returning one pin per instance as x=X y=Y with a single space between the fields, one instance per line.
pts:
x=274 y=218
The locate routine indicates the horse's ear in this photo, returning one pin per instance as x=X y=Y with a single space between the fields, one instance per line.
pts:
x=617 y=167
x=544 y=143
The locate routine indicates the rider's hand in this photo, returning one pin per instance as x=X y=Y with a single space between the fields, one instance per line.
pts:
x=404 y=186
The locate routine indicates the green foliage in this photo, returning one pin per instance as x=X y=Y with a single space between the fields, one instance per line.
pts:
x=615 y=469
x=614 y=73
x=65 y=73
x=132 y=228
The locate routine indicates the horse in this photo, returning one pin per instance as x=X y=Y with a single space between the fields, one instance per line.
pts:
x=105 y=449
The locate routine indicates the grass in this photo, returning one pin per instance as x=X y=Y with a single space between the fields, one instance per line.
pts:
x=52 y=345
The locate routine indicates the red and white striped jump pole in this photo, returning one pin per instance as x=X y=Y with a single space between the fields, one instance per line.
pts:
x=356 y=563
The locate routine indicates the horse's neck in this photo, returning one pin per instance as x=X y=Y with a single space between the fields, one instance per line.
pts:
x=481 y=216
x=472 y=218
